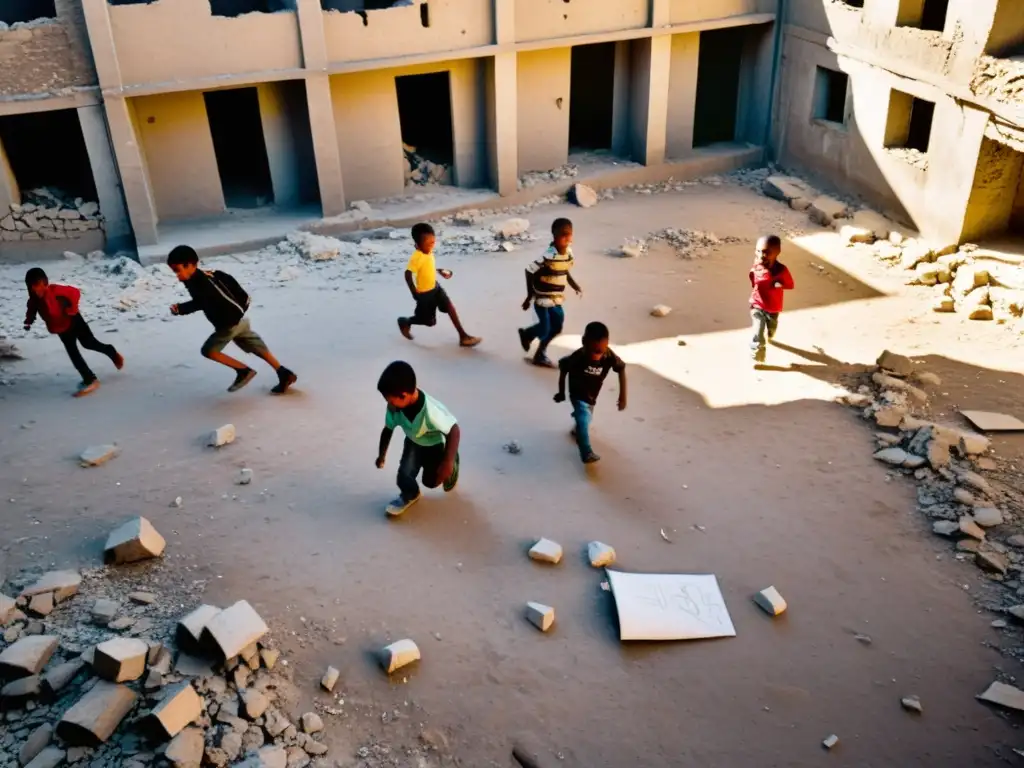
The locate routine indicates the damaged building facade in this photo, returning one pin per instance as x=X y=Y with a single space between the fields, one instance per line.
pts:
x=121 y=119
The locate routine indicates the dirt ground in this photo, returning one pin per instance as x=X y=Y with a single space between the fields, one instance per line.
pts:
x=755 y=476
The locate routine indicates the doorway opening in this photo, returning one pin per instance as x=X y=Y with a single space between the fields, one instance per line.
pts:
x=239 y=146
x=428 y=137
x=718 y=86
x=591 y=94
x=46 y=151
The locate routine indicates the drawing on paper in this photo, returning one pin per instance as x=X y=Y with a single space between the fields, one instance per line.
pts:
x=669 y=606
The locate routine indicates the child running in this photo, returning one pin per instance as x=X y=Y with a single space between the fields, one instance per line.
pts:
x=546 y=279
x=769 y=279
x=421 y=276
x=586 y=369
x=219 y=296
x=431 y=436
x=58 y=306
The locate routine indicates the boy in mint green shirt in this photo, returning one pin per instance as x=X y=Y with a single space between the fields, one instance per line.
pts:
x=431 y=436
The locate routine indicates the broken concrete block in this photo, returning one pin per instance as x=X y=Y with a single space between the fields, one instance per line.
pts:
x=1004 y=695
x=330 y=679
x=890 y=415
x=15 y=694
x=398 y=655
x=980 y=312
x=546 y=551
x=945 y=527
x=786 y=188
x=970 y=528
x=269 y=657
x=154 y=681
x=142 y=598
x=63 y=584
x=221 y=436
x=135 y=540
x=874 y=222
x=96 y=715
x=27 y=656
x=971 y=444
x=240 y=677
x=41 y=605
x=540 y=615
x=770 y=601
x=311 y=723
x=7 y=607
x=911 y=704
x=190 y=628
x=180 y=706
x=830 y=742
x=899 y=365
x=267 y=757
x=851 y=233
x=600 y=555
x=511 y=228
x=582 y=195
x=986 y=421
x=991 y=562
x=120 y=659
x=37 y=741
x=895 y=457
x=50 y=757
x=824 y=210
x=914 y=254
x=234 y=628
x=95 y=455
x=104 y=611
x=987 y=517
x=57 y=678
x=186 y=749
x=244 y=477
x=254 y=703
x=660 y=310
x=192 y=666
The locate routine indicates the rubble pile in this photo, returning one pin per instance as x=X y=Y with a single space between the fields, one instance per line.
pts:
x=46 y=214
x=421 y=171
x=691 y=243
x=535 y=178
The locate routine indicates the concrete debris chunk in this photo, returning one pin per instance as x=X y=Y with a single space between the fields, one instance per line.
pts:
x=63 y=584
x=911 y=704
x=899 y=365
x=269 y=657
x=97 y=455
x=540 y=615
x=987 y=517
x=330 y=679
x=311 y=723
x=399 y=654
x=992 y=562
x=660 y=310
x=945 y=527
x=58 y=677
x=104 y=611
x=1004 y=695
x=234 y=628
x=830 y=742
x=770 y=601
x=267 y=757
x=824 y=210
x=600 y=555
x=41 y=605
x=970 y=528
x=180 y=706
x=37 y=741
x=895 y=457
x=186 y=749
x=190 y=627
x=142 y=598
x=15 y=694
x=192 y=666
x=27 y=656
x=786 y=188
x=221 y=436
x=582 y=195
x=50 y=757
x=133 y=541
x=854 y=234
x=120 y=659
x=546 y=551
x=244 y=476
x=511 y=228
x=95 y=716
x=890 y=416
x=254 y=703
x=7 y=608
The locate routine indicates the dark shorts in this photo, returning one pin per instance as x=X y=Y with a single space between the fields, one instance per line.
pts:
x=242 y=334
x=429 y=304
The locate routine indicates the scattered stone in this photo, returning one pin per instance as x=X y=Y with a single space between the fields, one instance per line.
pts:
x=911 y=704
x=27 y=656
x=234 y=628
x=540 y=615
x=254 y=703
x=945 y=527
x=37 y=741
x=244 y=476
x=987 y=517
x=7 y=608
x=154 y=680
x=221 y=436
x=57 y=678
x=186 y=749
x=330 y=679
x=63 y=584
x=269 y=657
x=633 y=248
x=1017 y=540
x=50 y=757
x=927 y=378
x=862 y=639
x=660 y=310
x=970 y=546
x=267 y=757
x=897 y=364
x=876 y=223
x=770 y=601
x=142 y=598
x=582 y=195
x=513 y=447
x=240 y=677
x=970 y=528
x=41 y=605
x=546 y=551
x=854 y=234
x=980 y=312
x=600 y=555
x=399 y=654
x=992 y=562
x=1004 y=695
x=180 y=706
x=104 y=611
x=824 y=210
x=786 y=188
x=972 y=444
x=963 y=496
x=190 y=628
x=895 y=457
x=311 y=723
x=511 y=228
x=133 y=541
x=120 y=659
x=125 y=622
x=890 y=416
x=95 y=716
x=830 y=742
x=14 y=695
x=96 y=455
x=192 y=666
x=1017 y=611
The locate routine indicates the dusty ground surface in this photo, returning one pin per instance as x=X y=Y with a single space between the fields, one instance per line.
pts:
x=756 y=476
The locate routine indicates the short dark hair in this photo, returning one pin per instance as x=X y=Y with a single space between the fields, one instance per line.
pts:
x=595 y=332
x=398 y=379
x=35 y=275
x=182 y=254
x=773 y=241
x=560 y=226
x=420 y=230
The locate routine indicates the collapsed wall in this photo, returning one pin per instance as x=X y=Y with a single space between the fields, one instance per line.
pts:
x=46 y=55
x=46 y=214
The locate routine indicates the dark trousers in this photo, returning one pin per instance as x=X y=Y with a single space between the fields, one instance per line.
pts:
x=415 y=457
x=81 y=333
x=549 y=324
x=764 y=324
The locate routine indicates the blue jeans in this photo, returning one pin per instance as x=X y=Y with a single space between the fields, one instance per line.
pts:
x=549 y=324
x=583 y=413
x=765 y=324
x=414 y=459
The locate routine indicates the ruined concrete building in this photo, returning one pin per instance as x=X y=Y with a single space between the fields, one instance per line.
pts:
x=132 y=122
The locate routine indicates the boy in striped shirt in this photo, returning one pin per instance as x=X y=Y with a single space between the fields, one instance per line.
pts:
x=546 y=279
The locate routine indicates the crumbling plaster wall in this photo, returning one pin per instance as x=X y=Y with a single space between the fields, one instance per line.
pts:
x=370 y=136
x=47 y=55
x=546 y=19
x=399 y=31
x=994 y=191
x=175 y=40
x=684 y=11
x=543 y=80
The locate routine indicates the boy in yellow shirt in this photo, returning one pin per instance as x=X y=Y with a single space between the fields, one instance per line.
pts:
x=421 y=277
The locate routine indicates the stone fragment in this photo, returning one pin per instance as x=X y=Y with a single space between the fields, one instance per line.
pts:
x=600 y=555
x=311 y=723
x=540 y=615
x=254 y=703
x=96 y=455
x=583 y=196
x=244 y=476
x=991 y=562
x=142 y=598
x=914 y=254
x=231 y=743
x=190 y=627
x=660 y=310
x=27 y=656
x=972 y=444
x=785 y=188
x=180 y=706
x=911 y=704
x=125 y=622
x=37 y=741
x=192 y=666
x=830 y=742
x=330 y=679
x=770 y=601
x=824 y=210
x=154 y=680
x=41 y=605
x=267 y=757
x=63 y=584
x=890 y=415
x=120 y=659
x=104 y=611
x=927 y=378
x=15 y=694
x=980 y=312
x=221 y=436
x=240 y=677
x=963 y=496
x=546 y=551
x=970 y=546
x=7 y=608
x=50 y=757
x=186 y=749
x=899 y=385
x=874 y=222
x=970 y=528
x=399 y=654
x=234 y=628
x=945 y=527
x=95 y=716
x=987 y=517
x=135 y=540
x=895 y=457
x=854 y=234
x=1004 y=695
x=297 y=757
x=511 y=228
x=269 y=657
x=1017 y=611
x=57 y=678
x=899 y=365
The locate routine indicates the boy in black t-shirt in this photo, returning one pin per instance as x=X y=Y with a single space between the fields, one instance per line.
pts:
x=586 y=369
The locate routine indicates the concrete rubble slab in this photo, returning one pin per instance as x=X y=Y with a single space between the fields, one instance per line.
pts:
x=95 y=716
x=63 y=584
x=190 y=627
x=221 y=436
x=786 y=188
x=7 y=608
x=120 y=659
x=824 y=210
x=987 y=421
x=899 y=365
x=770 y=601
x=583 y=196
x=540 y=615
x=1004 y=695
x=133 y=541
x=254 y=703
x=27 y=656
x=41 y=605
x=192 y=666
x=311 y=723
x=600 y=555
x=97 y=455
x=546 y=551
x=180 y=706
x=15 y=694
x=186 y=749
x=104 y=611
x=50 y=757
x=330 y=679
x=234 y=628
x=398 y=655
x=37 y=741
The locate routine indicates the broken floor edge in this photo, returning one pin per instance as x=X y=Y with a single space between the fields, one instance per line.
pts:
x=702 y=163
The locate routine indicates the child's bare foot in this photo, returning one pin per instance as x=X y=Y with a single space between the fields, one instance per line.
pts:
x=469 y=341
x=405 y=328
x=118 y=361
x=87 y=388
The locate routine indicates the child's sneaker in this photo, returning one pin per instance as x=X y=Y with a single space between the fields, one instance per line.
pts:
x=242 y=377
x=397 y=507
x=523 y=340
x=453 y=479
x=87 y=388
x=118 y=360
x=591 y=458
x=543 y=361
x=405 y=328
x=285 y=379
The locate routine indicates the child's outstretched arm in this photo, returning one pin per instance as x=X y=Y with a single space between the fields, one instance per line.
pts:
x=451 y=450
x=186 y=308
x=409 y=282
x=573 y=284
x=529 y=290
x=560 y=395
x=622 y=389
x=30 y=313
x=382 y=447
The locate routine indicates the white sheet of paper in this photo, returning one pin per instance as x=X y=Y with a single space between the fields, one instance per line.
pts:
x=669 y=606
x=987 y=421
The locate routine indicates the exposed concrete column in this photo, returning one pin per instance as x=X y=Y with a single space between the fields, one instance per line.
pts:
x=10 y=192
x=652 y=61
x=621 y=100
x=325 y=143
x=101 y=41
x=504 y=21
x=104 y=175
x=311 y=33
x=660 y=13
x=131 y=164
x=503 y=122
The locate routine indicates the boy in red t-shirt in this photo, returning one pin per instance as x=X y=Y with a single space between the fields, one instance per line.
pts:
x=769 y=278
x=58 y=306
